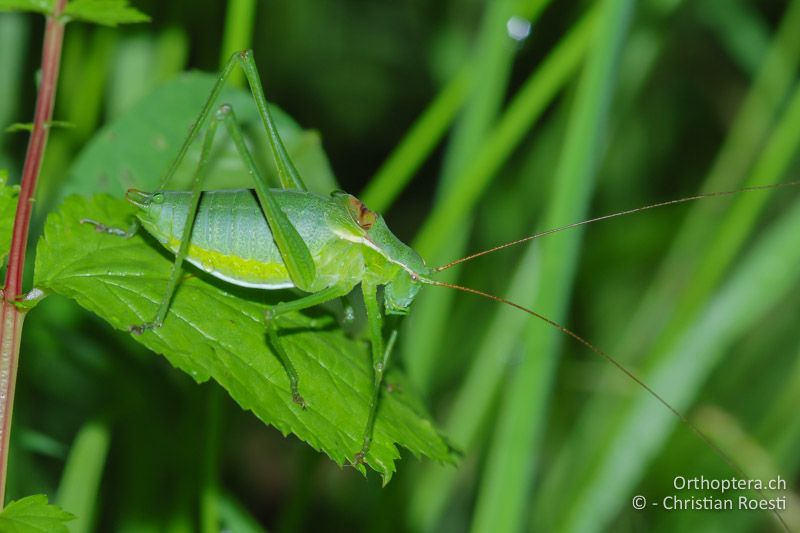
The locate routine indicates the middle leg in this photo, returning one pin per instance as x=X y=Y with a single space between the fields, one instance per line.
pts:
x=311 y=300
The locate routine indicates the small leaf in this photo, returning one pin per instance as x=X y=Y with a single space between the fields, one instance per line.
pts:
x=216 y=330
x=44 y=7
x=8 y=207
x=30 y=299
x=33 y=514
x=105 y=12
x=28 y=126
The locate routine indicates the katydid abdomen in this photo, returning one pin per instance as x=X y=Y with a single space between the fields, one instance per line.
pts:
x=231 y=239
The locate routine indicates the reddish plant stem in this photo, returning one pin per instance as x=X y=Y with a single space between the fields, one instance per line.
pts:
x=11 y=317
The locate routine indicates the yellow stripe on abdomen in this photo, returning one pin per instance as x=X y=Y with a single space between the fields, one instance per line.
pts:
x=238 y=270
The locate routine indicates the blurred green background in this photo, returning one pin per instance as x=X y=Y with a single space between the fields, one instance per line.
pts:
x=467 y=124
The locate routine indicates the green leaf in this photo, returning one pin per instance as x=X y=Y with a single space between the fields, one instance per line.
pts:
x=37 y=6
x=105 y=12
x=216 y=330
x=8 y=207
x=136 y=149
x=33 y=514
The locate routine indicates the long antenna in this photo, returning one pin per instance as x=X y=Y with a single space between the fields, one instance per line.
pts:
x=618 y=214
x=734 y=466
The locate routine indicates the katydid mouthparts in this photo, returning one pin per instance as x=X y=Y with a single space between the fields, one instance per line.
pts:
x=325 y=246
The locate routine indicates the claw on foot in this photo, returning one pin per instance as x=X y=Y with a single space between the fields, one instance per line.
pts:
x=349 y=315
x=99 y=227
x=358 y=460
x=298 y=399
x=141 y=328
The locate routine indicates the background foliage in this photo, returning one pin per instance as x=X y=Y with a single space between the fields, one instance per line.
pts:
x=607 y=105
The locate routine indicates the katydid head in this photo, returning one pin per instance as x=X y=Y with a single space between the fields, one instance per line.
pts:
x=402 y=269
x=406 y=272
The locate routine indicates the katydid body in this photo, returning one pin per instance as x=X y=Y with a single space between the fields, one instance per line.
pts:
x=232 y=241
x=226 y=234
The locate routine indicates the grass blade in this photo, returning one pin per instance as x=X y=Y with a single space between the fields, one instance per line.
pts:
x=79 y=490
x=508 y=473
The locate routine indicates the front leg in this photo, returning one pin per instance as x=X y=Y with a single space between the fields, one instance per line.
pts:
x=99 y=227
x=380 y=358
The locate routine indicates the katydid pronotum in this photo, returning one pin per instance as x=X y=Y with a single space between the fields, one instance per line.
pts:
x=289 y=238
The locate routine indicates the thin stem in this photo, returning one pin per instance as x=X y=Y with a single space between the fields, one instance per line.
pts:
x=12 y=318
